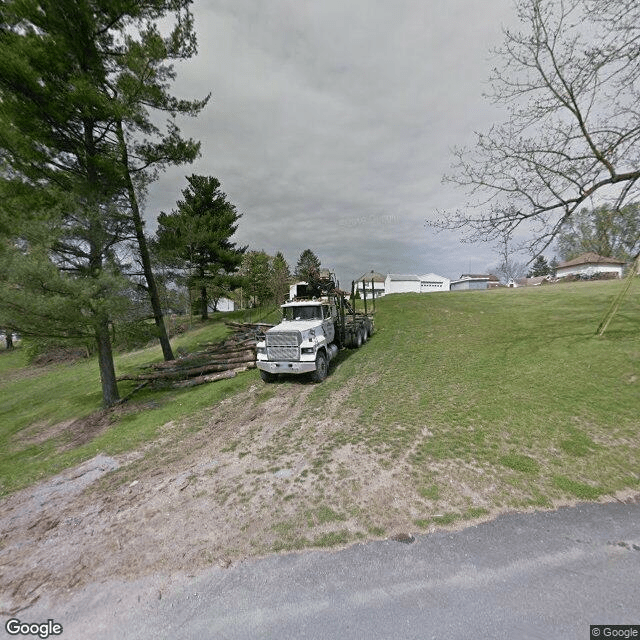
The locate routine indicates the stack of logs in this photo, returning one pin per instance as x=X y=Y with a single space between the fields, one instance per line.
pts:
x=215 y=362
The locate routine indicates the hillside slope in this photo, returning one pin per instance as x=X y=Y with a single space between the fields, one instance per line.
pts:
x=461 y=406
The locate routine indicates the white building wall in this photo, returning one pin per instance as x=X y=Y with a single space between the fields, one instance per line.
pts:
x=589 y=270
x=224 y=304
x=379 y=288
x=432 y=282
x=416 y=284
x=393 y=285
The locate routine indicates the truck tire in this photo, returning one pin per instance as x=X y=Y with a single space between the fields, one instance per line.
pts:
x=357 y=339
x=322 y=368
x=365 y=335
x=268 y=377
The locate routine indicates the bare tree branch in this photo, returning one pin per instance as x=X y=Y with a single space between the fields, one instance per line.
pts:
x=569 y=83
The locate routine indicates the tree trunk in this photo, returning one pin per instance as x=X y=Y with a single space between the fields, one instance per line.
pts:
x=204 y=302
x=110 y=393
x=144 y=251
x=9 y=339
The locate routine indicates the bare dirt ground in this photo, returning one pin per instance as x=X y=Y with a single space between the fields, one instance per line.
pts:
x=257 y=473
x=203 y=494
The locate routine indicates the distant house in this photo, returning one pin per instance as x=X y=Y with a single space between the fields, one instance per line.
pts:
x=475 y=281
x=534 y=281
x=226 y=304
x=373 y=283
x=433 y=282
x=588 y=264
x=398 y=283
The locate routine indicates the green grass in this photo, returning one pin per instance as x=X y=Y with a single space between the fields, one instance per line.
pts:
x=514 y=382
x=35 y=398
x=577 y=489
x=521 y=463
x=505 y=394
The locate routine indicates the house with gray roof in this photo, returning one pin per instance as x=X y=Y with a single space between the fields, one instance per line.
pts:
x=373 y=283
x=475 y=281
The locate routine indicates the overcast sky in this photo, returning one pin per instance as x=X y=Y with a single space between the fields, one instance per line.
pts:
x=331 y=125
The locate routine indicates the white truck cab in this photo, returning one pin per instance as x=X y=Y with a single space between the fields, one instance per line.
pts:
x=304 y=342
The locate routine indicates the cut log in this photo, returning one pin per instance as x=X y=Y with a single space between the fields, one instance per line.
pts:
x=215 y=361
x=176 y=374
x=202 y=359
x=248 y=326
x=193 y=382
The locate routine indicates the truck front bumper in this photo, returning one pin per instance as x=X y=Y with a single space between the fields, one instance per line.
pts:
x=286 y=367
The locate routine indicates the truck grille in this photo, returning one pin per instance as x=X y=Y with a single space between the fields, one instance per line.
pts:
x=283 y=346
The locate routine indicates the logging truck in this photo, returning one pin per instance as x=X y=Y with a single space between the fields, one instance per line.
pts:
x=316 y=323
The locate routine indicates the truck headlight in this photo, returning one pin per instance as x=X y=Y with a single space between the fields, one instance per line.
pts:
x=308 y=349
x=261 y=350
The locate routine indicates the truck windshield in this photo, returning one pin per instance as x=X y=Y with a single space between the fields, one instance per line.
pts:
x=303 y=313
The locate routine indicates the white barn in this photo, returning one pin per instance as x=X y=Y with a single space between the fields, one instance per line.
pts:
x=398 y=283
x=433 y=282
x=588 y=264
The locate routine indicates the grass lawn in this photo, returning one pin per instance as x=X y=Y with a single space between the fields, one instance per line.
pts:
x=479 y=400
x=508 y=391
x=34 y=398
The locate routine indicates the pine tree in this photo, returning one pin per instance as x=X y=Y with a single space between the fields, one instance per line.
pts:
x=539 y=268
x=196 y=237
x=62 y=183
x=308 y=265
x=77 y=81
x=140 y=81
x=280 y=278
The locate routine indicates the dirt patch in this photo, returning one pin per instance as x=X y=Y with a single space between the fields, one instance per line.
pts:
x=74 y=433
x=58 y=355
x=266 y=470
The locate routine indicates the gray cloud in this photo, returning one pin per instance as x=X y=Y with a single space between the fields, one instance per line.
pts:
x=331 y=125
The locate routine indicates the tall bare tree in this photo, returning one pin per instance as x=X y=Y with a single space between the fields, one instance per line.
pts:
x=568 y=79
x=508 y=268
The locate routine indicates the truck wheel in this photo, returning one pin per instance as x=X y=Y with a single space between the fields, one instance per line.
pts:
x=365 y=335
x=322 y=368
x=357 y=340
x=268 y=377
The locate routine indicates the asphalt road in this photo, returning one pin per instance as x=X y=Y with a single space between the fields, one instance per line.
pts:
x=537 y=576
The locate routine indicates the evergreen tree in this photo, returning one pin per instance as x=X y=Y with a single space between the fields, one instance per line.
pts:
x=257 y=275
x=140 y=83
x=308 y=265
x=539 y=268
x=196 y=237
x=61 y=181
x=280 y=279
x=76 y=83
